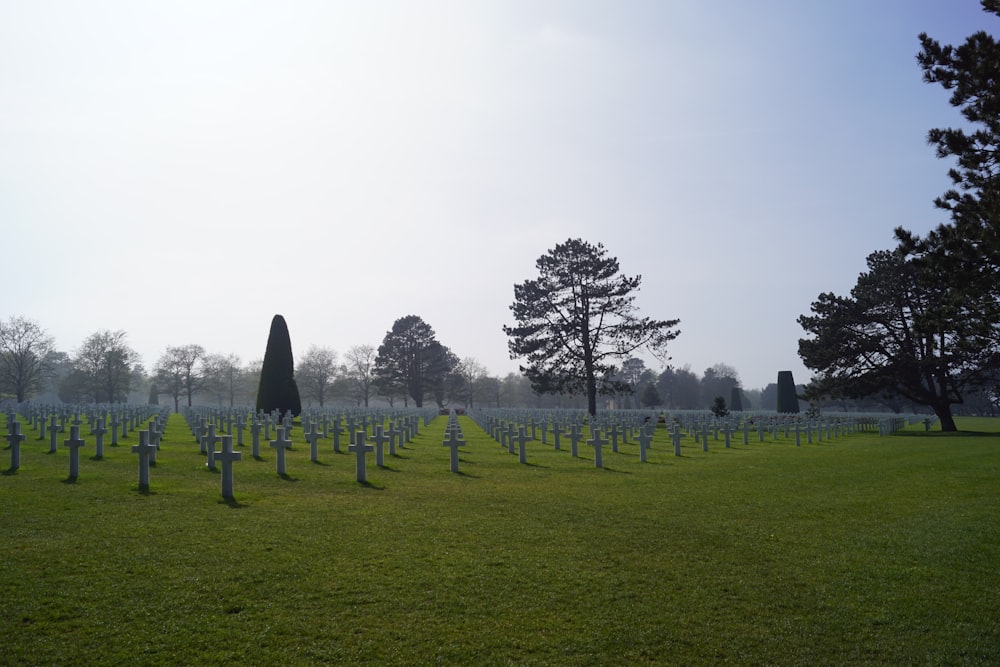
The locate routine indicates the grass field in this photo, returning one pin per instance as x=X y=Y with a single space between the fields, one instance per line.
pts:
x=861 y=550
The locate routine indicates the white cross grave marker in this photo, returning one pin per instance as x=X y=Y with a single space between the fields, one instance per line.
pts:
x=15 y=438
x=225 y=459
x=312 y=437
x=597 y=443
x=281 y=443
x=99 y=431
x=522 y=438
x=360 y=449
x=556 y=432
x=511 y=434
x=208 y=442
x=74 y=443
x=645 y=438
x=393 y=433
x=454 y=441
x=53 y=431
x=145 y=450
x=380 y=440
x=574 y=437
x=255 y=427
x=336 y=434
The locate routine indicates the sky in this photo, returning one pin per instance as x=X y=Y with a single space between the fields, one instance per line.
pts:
x=185 y=170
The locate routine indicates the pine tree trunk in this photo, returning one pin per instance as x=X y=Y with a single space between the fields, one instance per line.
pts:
x=943 y=413
x=591 y=393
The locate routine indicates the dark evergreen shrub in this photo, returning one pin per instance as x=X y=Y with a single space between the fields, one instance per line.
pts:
x=719 y=407
x=277 y=389
x=736 y=399
x=788 y=401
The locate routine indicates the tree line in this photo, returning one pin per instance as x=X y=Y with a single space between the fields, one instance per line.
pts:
x=409 y=367
x=105 y=369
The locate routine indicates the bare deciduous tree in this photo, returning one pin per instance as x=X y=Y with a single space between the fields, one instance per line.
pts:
x=316 y=372
x=105 y=362
x=24 y=347
x=223 y=375
x=360 y=366
x=472 y=372
x=179 y=371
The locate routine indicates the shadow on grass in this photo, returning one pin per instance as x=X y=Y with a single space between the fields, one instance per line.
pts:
x=534 y=465
x=288 y=478
x=320 y=463
x=387 y=468
x=10 y=471
x=622 y=472
x=369 y=485
x=70 y=480
x=144 y=491
x=232 y=503
x=946 y=434
x=465 y=474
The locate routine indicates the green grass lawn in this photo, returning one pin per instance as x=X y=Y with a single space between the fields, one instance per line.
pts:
x=861 y=550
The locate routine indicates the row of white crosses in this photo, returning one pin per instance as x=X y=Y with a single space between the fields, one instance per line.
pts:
x=511 y=430
x=147 y=447
x=507 y=431
x=120 y=417
x=50 y=420
x=644 y=438
x=149 y=443
x=403 y=429
x=822 y=427
x=403 y=426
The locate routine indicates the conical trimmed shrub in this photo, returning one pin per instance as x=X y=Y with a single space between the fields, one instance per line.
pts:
x=736 y=400
x=277 y=389
x=787 y=399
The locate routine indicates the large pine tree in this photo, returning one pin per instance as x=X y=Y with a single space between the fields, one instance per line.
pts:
x=922 y=323
x=277 y=389
x=969 y=72
x=576 y=318
x=964 y=253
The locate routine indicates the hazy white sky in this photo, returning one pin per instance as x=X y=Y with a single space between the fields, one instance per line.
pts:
x=185 y=170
